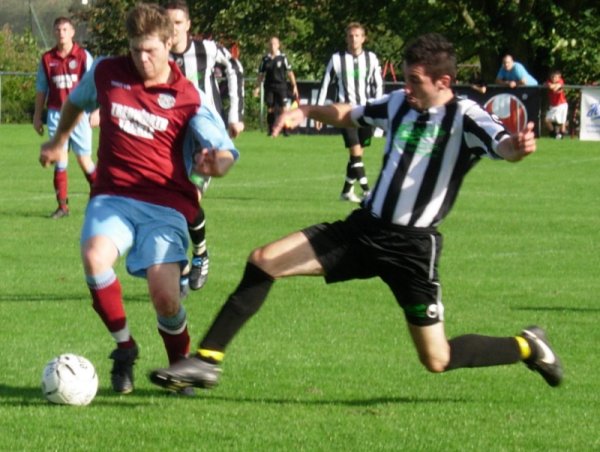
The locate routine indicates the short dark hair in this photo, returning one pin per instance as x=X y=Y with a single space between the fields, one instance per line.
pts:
x=178 y=4
x=435 y=53
x=62 y=20
x=146 y=19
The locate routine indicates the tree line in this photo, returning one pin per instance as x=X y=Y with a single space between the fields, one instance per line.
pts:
x=541 y=34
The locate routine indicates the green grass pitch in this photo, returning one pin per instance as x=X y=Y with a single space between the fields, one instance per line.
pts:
x=320 y=367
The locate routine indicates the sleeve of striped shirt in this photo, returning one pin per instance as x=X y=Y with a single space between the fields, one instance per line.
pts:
x=377 y=80
x=327 y=80
x=235 y=81
x=375 y=113
x=483 y=132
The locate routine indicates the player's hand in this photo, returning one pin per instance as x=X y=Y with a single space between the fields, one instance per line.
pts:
x=49 y=153
x=519 y=145
x=525 y=140
x=213 y=162
x=95 y=118
x=204 y=161
x=235 y=128
x=289 y=119
x=38 y=126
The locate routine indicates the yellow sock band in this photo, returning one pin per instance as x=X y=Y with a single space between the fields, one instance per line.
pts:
x=524 y=347
x=211 y=354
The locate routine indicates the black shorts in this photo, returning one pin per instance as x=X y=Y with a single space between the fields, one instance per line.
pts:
x=360 y=135
x=406 y=259
x=276 y=96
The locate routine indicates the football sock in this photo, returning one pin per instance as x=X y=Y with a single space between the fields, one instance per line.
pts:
x=107 y=301
x=240 y=306
x=60 y=186
x=211 y=356
x=270 y=121
x=358 y=172
x=174 y=333
x=525 y=349
x=350 y=179
x=473 y=350
x=197 y=231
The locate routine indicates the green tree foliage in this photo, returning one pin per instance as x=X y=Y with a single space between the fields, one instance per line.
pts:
x=542 y=34
x=19 y=55
x=105 y=21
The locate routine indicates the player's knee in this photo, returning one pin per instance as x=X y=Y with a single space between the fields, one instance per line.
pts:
x=435 y=363
x=166 y=303
x=93 y=260
x=258 y=257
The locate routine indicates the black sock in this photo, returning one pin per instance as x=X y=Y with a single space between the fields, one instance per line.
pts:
x=473 y=350
x=240 y=306
x=270 y=121
x=350 y=177
x=197 y=231
x=359 y=173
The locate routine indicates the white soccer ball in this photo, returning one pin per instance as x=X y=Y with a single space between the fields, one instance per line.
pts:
x=69 y=379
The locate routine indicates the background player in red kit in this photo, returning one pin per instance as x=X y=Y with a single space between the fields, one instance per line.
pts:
x=60 y=70
x=142 y=196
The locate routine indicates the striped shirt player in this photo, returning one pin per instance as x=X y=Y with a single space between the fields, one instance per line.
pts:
x=427 y=155
x=433 y=140
x=198 y=62
x=355 y=79
x=353 y=76
x=59 y=72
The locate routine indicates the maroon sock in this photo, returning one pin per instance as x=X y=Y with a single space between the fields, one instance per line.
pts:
x=108 y=303
x=177 y=345
x=60 y=187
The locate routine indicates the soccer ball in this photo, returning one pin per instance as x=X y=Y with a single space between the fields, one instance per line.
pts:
x=69 y=379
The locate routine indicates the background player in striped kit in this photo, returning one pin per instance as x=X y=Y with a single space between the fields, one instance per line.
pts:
x=60 y=70
x=433 y=140
x=197 y=59
x=274 y=70
x=356 y=77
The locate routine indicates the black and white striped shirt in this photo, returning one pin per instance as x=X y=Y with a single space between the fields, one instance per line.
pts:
x=198 y=62
x=355 y=78
x=426 y=156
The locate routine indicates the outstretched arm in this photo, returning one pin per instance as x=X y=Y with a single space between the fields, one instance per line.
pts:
x=70 y=115
x=337 y=115
x=519 y=145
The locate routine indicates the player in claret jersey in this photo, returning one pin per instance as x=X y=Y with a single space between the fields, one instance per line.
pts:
x=60 y=70
x=143 y=197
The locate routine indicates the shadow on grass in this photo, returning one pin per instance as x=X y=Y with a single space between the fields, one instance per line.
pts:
x=71 y=297
x=358 y=402
x=32 y=396
x=564 y=309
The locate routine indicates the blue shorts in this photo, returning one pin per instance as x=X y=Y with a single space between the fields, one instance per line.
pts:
x=80 y=139
x=151 y=233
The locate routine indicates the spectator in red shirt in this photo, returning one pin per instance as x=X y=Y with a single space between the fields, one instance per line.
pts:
x=558 y=107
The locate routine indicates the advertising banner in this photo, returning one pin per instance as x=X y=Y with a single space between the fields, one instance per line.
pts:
x=514 y=107
x=589 y=123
